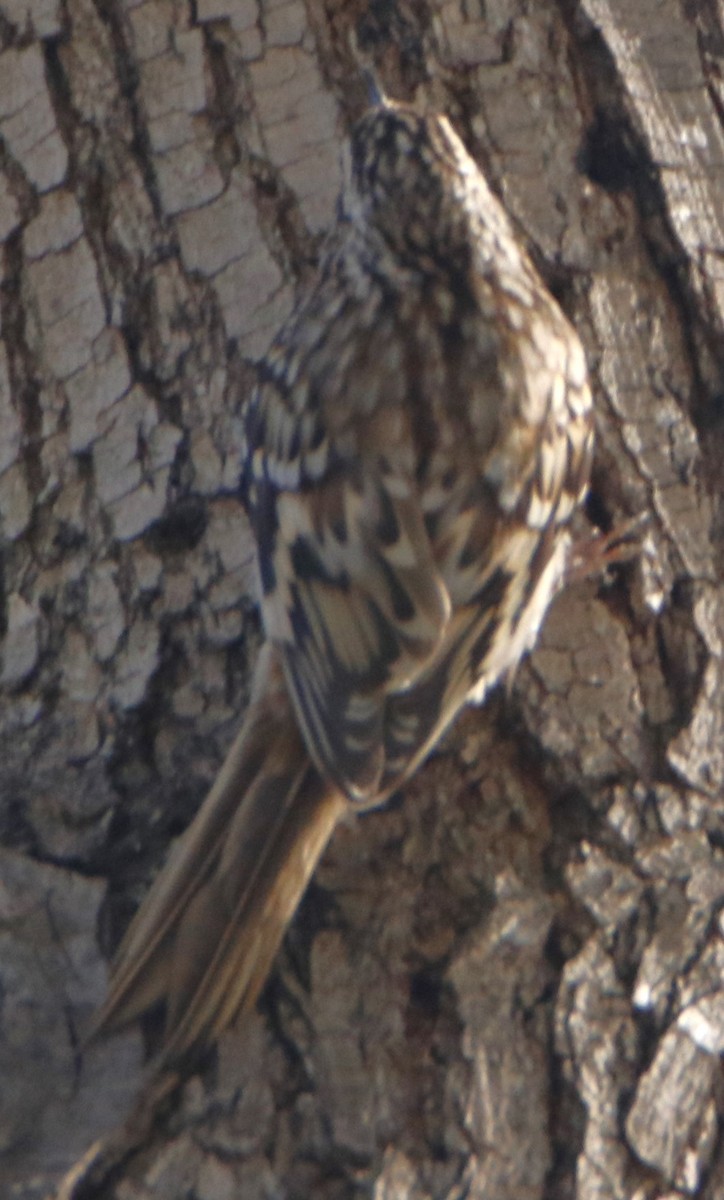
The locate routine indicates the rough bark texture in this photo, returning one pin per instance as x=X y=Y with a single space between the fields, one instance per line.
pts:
x=508 y=984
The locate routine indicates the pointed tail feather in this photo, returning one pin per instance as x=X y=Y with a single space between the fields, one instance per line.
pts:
x=205 y=938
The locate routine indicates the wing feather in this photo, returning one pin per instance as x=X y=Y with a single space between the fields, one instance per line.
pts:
x=367 y=607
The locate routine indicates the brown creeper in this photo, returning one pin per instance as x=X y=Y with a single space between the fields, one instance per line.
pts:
x=419 y=438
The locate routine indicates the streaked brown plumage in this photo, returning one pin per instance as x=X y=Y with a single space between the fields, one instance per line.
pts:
x=418 y=441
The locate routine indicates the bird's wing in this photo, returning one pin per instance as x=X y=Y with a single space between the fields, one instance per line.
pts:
x=352 y=595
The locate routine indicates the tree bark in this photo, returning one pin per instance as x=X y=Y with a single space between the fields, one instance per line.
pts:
x=508 y=983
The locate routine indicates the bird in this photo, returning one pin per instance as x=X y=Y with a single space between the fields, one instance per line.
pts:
x=417 y=443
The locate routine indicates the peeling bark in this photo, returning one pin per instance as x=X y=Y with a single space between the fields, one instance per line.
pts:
x=508 y=983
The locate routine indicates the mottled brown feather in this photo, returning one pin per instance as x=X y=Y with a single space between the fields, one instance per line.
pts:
x=418 y=441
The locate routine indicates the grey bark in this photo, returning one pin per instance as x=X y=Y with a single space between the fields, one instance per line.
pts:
x=507 y=984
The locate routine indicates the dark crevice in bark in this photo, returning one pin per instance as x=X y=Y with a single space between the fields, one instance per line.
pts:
x=615 y=155
x=24 y=384
x=127 y=70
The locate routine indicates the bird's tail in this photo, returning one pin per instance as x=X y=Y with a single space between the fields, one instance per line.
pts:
x=205 y=938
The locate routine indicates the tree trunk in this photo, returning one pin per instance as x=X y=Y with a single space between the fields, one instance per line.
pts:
x=508 y=983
